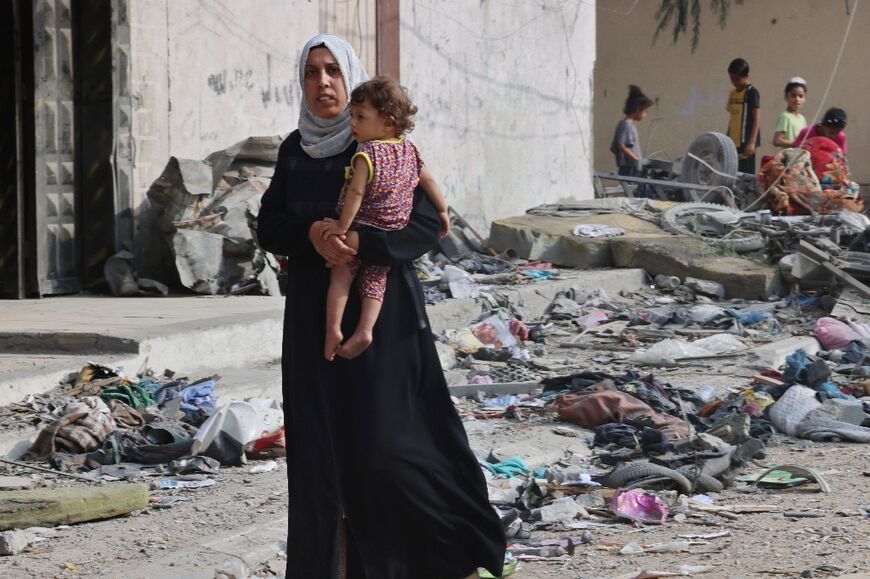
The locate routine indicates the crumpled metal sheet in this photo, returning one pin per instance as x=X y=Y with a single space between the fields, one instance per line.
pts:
x=208 y=209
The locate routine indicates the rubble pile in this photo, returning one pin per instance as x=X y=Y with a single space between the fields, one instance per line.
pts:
x=102 y=426
x=207 y=211
x=799 y=366
x=658 y=453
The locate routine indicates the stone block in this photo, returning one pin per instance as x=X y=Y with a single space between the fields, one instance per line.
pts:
x=683 y=256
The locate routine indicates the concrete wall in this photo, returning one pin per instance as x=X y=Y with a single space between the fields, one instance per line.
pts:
x=779 y=38
x=505 y=100
x=208 y=74
x=504 y=95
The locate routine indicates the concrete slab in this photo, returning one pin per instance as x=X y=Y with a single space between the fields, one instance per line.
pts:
x=550 y=238
x=43 y=340
x=644 y=245
x=683 y=256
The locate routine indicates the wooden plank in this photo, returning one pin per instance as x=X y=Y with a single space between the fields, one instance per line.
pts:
x=65 y=506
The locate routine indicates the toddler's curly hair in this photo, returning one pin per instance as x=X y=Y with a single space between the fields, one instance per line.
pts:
x=389 y=98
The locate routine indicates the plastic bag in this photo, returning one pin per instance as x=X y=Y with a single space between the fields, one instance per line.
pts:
x=465 y=341
x=834 y=334
x=720 y=343
x=792 y=408
x=492 y=331
x=705 y=313
x=224 y=435
x=639 y=506
x=270 y=446
x=666 y=352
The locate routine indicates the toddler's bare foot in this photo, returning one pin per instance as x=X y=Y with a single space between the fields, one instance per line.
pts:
x=355 y=346
x=333 y=340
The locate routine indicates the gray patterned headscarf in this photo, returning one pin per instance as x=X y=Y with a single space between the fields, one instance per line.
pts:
x=328 y=137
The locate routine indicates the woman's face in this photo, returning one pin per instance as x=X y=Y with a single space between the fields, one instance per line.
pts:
x=323 y=84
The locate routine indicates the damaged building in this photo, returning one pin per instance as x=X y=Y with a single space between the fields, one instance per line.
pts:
x=106 y=92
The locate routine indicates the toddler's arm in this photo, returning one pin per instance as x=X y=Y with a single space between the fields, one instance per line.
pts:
x=355 y=189
x=433 y=192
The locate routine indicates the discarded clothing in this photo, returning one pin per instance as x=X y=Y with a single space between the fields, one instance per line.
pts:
x=82 y=426
x=597 y=230
x=647 y=439
x=199 y=398
x=835 y=420
x=133 y=395
x=509 y=468
x=795 y=188
x=807 y=370
x=125 y=417
x=582 y=380
x=831 y=168
x=602 y=404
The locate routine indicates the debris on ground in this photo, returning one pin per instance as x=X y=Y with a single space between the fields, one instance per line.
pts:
x=652 y=416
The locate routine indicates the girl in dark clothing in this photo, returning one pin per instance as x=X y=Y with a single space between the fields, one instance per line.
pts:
x=382 y=482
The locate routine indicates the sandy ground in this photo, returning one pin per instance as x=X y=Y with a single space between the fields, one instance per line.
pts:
x=243 y=517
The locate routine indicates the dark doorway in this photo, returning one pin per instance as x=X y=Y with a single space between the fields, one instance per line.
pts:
x=94 y=188
x=17 y=273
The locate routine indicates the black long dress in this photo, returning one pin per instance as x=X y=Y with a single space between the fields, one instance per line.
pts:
x=375 y=439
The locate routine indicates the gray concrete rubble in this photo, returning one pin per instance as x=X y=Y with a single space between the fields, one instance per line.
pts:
x=207 y=212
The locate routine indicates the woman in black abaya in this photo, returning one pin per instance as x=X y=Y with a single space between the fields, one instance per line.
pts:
x=382 y=482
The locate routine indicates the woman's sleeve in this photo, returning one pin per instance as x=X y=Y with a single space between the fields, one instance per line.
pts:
x=394 y=248
x=278 y=230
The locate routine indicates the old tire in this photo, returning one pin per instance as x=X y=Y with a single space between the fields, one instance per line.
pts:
x=625 y=474
x=703 y=482
x=719 y=152
x=677 y=219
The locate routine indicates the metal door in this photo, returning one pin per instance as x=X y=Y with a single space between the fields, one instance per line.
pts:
x=57 y=260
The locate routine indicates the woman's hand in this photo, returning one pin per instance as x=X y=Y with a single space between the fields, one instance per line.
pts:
x=335 y=249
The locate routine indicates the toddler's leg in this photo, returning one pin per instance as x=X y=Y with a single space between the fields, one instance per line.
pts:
x=340 y=280
x=372 y=282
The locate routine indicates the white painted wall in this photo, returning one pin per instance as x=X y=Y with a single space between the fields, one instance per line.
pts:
x=207 y=74
x=504 y=90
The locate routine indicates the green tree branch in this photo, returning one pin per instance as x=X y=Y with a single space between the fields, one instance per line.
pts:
x=678 y=14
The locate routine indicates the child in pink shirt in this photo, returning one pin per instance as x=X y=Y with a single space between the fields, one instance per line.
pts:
x=831 y=126
x=378 y=192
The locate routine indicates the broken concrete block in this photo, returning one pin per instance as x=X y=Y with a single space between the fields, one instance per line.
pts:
x=706 y=287
x=772 y=355
x=15 y=483
x=14 y=542
x=683 y=256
